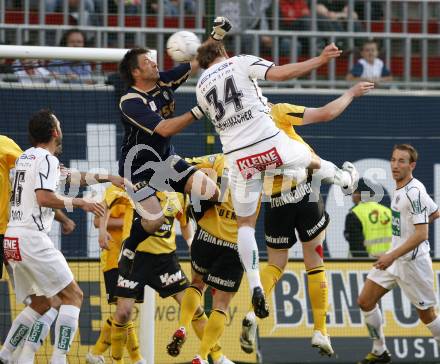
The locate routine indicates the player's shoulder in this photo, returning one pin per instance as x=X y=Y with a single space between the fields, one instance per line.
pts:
x=132 y=96
x=415 y=185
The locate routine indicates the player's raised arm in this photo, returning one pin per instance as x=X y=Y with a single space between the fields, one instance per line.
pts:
x=169 y=127
x=294 y=70
x=336 y=107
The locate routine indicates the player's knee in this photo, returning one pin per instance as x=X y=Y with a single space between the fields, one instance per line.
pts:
x=40 y=305
x=123 y=314
x=151 y=226
x=427 y=316
x=365 y=304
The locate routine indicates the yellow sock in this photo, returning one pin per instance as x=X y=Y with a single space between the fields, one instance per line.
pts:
x=133 y=343
x=198 y=323
x=119 y=340
x=270 y=275
x=103 y=342
x=190 y=303
x=213 y=331
x=318 y=293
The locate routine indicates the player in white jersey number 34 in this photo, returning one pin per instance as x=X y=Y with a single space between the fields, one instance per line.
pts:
x=229 y=95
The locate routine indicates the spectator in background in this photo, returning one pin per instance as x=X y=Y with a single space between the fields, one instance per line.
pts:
x=172 y=7
x=30 y=71
x=334 y=15
x=368 y=224
x=370 y=67
x=90 y=12
x=5 y=66
x=75 y=72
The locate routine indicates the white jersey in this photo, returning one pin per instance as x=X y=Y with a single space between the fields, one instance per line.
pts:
x=230 y=97
x=411 y=205
x=35 y=169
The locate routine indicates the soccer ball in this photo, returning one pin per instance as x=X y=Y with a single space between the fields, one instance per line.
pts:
x=182 y=46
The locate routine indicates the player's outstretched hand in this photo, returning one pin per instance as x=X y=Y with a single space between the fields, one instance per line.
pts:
x=329 y=52
x=361 y=88
x=67 y=226
x=94 y=207
x=220 y=27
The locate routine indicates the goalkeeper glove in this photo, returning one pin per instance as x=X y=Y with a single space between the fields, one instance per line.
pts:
x=220 y=27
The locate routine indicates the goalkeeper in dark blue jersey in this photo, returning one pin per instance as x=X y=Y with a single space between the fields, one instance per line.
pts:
x=148 y=159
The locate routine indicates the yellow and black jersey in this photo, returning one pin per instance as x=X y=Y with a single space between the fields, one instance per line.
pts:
x=9 y=152
x=117 y=202
x=164 y=240
x=219 y=220
x=285 y=117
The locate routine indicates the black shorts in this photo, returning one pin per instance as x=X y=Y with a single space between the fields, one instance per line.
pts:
x=170 y=176
x=217 y=260
x=301 y=209
x=162 y=272
x=111 y=280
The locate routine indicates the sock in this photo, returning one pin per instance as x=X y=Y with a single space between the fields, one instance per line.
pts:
x=137 y=235
x=38 y=333
x=133 y=343
x=318 y=294
x=65 y=329
x=104 y=340
x=270 y=275
x=329 y=173
x=213 y=331
x=119 y=337
x=248 y=251
x=191 y=300
x=434 y=327
x=373 y=320
x=18 y=331
x=198 y=323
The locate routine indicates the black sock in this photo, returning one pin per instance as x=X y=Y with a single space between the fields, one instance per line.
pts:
x=137 y=235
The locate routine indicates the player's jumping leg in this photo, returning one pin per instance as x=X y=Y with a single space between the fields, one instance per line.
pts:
x=67 y=322
x=318 y=292
x=95 y=356
x=270 y=275
x=248 y=251
x=149 y=218
x=367 y=301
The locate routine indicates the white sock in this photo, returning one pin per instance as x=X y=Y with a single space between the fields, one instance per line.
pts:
x=251 y=316
x=19 y=329
x=36 y=336
x=434 y=327
x=248 y=251
x=373 y=320
x=329 y=173
x=65 y=328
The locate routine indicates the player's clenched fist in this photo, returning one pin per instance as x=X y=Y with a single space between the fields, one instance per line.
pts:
x=361 y=88
x=329 y=52
x=220 y=27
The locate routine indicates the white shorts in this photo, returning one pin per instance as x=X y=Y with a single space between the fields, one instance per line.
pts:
x=414 y=277
x=39 y=268
x=246 y=166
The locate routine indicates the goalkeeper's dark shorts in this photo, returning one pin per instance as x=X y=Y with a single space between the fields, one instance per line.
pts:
x=217 y=261
x=162 y=272
x=300 y=209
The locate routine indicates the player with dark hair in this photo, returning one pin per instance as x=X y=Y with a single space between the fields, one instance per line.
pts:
x=40 y=270
x=148 y=158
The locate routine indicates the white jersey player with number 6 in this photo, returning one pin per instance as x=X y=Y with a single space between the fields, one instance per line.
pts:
x=229 y=95
x=408 y=263
x=40 y=270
